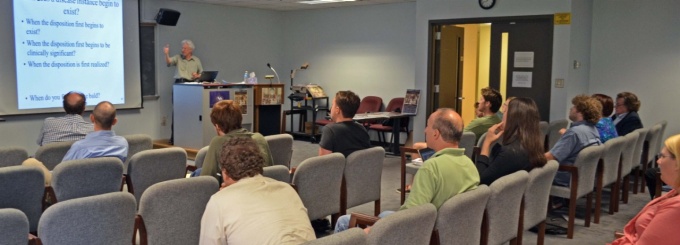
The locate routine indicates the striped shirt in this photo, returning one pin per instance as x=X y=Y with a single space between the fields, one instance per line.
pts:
x=71 y=127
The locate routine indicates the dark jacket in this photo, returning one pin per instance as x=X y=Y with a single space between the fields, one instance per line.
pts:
x=628 y=124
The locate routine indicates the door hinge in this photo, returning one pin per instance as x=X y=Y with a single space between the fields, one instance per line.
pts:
x=436 y=88
x=438 y=35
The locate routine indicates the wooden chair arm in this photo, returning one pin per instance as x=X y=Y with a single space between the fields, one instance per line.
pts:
x=49 y=198
x=292 y=170
x=362 y=220
x=139 y=226
x=659 y=183
x=33 y=240
x=404 y=151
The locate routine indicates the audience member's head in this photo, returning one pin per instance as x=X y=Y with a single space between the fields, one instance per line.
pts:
x=226 y=116
x=491 y=100
x=668 y=162
x=74 y=103
x=444 y=129
x=521 y=124
x=104 y=115
x=627 y=102
x=240 y=158
x=504 y=107
x=585 y=108
x=347 y=102
x=607 y=104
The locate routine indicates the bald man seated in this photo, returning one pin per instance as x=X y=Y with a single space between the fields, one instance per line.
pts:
x=103 y=142
x=70 y=127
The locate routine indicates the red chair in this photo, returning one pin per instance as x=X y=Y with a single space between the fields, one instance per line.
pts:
x=394 y=106
x=368 y=104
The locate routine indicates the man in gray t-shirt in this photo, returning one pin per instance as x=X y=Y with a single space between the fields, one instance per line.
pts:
x=584 y=114
x=344 y=135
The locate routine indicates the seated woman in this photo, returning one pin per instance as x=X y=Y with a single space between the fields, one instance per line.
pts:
x=520 y=148
x=606 y=126
x=655 y=223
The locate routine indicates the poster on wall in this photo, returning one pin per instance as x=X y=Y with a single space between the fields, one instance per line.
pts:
x=521 y=79
x=241 y=97
x=524 y=60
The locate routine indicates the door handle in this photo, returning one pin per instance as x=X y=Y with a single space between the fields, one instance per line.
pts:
x=461 y=98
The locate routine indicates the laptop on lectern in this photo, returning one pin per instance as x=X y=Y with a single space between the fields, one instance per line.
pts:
x=208 y=76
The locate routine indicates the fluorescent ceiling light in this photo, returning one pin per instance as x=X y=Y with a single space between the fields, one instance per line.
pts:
x=324 y=1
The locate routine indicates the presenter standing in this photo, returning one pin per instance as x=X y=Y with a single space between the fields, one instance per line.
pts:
x=189 y=68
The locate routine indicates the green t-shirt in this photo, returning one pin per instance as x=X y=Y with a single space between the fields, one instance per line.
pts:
x=448 y=173
x=480 y=125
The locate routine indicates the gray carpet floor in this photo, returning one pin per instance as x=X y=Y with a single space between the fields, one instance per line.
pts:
x=595 y=234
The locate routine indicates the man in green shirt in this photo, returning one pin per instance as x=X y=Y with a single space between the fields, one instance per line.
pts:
x=489 y=103
x=448 y=173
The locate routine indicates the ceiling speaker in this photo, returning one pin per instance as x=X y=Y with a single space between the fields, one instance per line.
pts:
x=167 y=17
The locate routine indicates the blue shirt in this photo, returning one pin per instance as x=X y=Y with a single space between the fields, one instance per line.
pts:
x=606 y=129
x=580 y=135
x=103 y=143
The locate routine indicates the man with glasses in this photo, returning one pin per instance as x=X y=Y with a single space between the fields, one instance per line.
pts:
x=626 y=117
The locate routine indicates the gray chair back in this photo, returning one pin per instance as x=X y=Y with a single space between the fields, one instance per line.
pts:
x=172 y=210
x=545 y=131
x=654 y=139
x=460 y=217
x=586 y=162
x=137 y=143
x=152 y=166
x=503 y=207
x=536 y=196
x=102 y=219
x=51 y=154
x=277 y=172
x=281 y=147
x=637 y=155
x=554 y=131
x=410 y=226
x=611 y=158
x=23 y=188
x=86 y=177
x=628 y=152
x=354 y=236
x=13 y=226
x=481 y=140
x=663 y=124
x=318 y=180
x=467 y=142
x=12 y=156
x=363 y=173
x=200 y=156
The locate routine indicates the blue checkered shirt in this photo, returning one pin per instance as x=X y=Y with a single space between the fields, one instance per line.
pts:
x=71 y=127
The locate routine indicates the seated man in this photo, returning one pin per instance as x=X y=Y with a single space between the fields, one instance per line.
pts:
x=625 y=115
x=447 y=173
x=70 y=127
x=226 y=116
x=250 y=208
x=584 y=114
x=489 y=103
x=103 y=142
x=344 y=135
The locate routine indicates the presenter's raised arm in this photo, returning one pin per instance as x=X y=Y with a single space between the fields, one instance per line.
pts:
x=166 y=50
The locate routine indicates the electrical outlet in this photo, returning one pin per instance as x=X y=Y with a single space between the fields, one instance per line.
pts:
x=559 y=83
x=164 y=121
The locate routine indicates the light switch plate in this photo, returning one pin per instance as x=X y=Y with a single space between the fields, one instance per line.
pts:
x=559 y=83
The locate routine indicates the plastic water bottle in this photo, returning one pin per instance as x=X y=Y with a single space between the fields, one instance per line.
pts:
x=245 y=77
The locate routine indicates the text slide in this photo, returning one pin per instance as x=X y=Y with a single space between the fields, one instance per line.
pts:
x=68 y=45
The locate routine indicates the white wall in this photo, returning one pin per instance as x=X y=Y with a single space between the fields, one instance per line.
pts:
x=635 y=48
x=562 y=41
x=368 y=49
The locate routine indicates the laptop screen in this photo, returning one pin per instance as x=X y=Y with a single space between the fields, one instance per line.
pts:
x=426 y=153
x=208 y=76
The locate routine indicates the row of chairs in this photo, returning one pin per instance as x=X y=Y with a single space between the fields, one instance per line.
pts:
x=169 y=213
x=486 y=215
x=51 y=154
